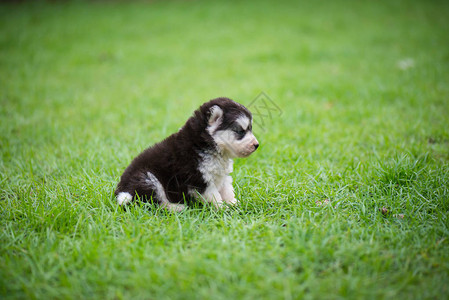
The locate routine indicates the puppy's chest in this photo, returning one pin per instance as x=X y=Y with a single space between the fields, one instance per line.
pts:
x=214 y=168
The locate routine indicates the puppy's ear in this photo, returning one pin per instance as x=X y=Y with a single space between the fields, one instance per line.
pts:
x=215 y=115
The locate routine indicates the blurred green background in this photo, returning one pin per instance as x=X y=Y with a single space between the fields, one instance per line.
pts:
x=364 y=94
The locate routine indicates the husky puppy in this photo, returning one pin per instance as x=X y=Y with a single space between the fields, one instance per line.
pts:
x=193 y=163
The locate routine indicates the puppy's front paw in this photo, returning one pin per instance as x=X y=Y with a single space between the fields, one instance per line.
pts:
x=218 y=204
x=233 y=202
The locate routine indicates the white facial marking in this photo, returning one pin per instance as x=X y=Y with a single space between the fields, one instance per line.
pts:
x=124 y=198
x=235 y=146
x=243 y=121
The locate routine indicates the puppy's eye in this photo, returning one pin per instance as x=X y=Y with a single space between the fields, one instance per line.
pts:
x=239 y=131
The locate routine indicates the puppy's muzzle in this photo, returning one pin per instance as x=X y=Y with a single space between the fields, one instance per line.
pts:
x=254 y=145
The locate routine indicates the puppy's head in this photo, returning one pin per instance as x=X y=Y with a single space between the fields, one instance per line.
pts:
x=230 y=126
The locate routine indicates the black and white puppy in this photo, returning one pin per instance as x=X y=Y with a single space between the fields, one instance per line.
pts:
x=195 y=162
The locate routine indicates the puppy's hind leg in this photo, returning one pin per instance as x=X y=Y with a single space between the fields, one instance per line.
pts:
x=173 y=207
x=160 y=194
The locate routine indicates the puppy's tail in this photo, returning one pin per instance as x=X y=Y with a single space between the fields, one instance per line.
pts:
x=123 y=198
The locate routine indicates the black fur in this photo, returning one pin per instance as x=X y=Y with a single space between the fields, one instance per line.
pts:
x=174 y=161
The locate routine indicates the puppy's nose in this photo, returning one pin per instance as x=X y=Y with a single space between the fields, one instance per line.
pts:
x=256 y=146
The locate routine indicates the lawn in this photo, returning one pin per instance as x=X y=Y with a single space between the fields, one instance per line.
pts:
x=346 y=198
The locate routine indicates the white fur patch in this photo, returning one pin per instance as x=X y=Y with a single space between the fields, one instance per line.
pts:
x=124 y=198
x=215 y=170
x=214 y=166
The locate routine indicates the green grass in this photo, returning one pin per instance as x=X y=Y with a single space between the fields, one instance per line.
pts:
x=363 y=88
